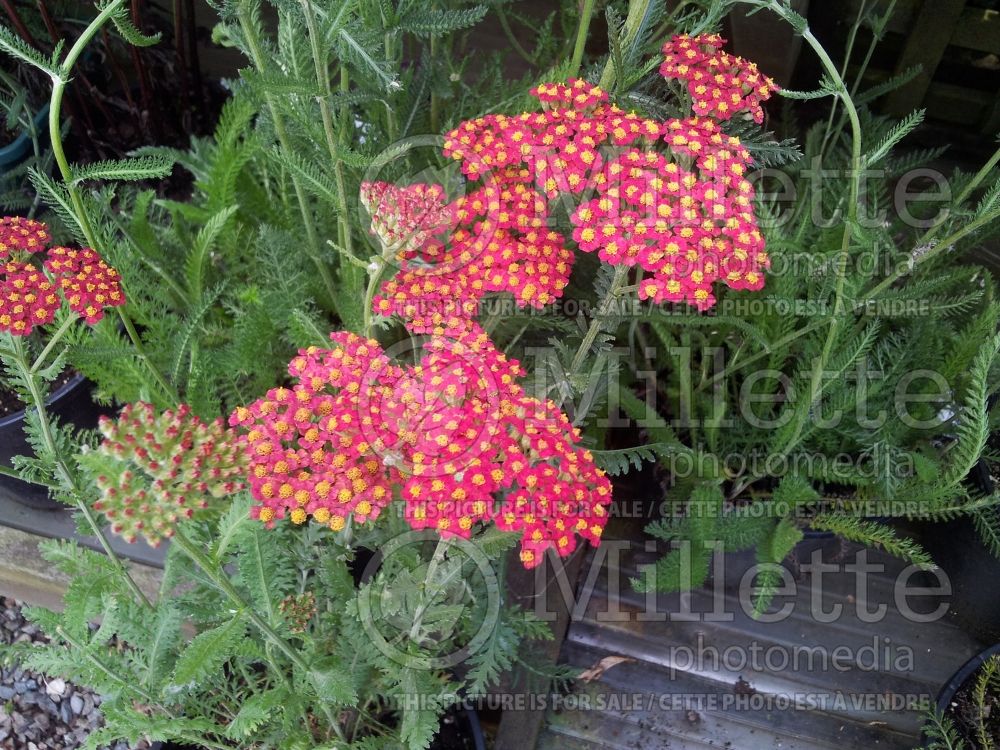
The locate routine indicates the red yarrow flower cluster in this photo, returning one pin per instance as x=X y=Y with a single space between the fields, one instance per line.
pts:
x=20 y=234
x=558 y=148
x=88 y=283
x=156 y=469
x=686 y=229
x=454 y=436
x=404 y=218
x=29 y=296
x=500 y=244
x=720 y=84
x=682 y=212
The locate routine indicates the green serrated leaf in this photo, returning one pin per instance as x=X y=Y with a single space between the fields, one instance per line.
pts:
x=207 y=652
x=151 y=167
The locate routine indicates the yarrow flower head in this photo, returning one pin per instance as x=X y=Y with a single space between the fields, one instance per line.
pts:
x=686 y=228
x=88 y=283
x=29 y=296
x=502 y=241
x=298 y=610
x=26 y=235
x=669 y=196
x=156 y=469
x=720 y=84
x=404 y=218
x=500 y=244
x=454 y=436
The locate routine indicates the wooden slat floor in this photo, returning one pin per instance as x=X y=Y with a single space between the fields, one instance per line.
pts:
x=681 y=691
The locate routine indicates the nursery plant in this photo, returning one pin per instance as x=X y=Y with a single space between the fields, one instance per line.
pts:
x=855 y=389
x=427 y=432
x=965 y=718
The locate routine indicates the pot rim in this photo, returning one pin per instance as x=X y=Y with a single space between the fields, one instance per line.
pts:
x=14 y=152
x=962 y=675
x=59 y=393
x=955 y=682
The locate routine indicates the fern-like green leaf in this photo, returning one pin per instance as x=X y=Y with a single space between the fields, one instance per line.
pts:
x=894 y=136
x=123 y=22
x=207 y=651
x=141 y=168
x=430 y=22
x=19 y=49
x=873 y=534
x=770 y=553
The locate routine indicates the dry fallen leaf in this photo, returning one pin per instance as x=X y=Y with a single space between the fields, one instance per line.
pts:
x=603 y=666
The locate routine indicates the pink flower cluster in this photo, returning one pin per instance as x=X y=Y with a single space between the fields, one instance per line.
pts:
x=157 y=469
x=20 y=234
x=686 y=229
x=447 y=434
x=28 y=298
x=29 y=295
x=404 y=218
x=683 y=214
x=88 y=283
x=720 y=84
x=500 y=244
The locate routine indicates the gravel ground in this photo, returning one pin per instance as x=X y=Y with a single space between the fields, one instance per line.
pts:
x=38 y=712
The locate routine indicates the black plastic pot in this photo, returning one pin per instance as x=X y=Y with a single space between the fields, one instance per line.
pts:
x=465 y=723
x=962 y=676
x=71 y=403
x=974 y=572
x=15 y=152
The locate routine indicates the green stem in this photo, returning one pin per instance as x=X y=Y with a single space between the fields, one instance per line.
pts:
x=776 y=346
x=512 y=38
x=981 y=175
x=375 y=275
x=70 y=320
x=621 y=275
x=65 y=475
x=55 y=106
x=55 y=137
x=428 y=599
x=843 y=257
x=948 y=241
x=219 y=578
x=637 y=11
x=313 y=247
x=851 y=37
x=877 y=34
x=586 y=14
x=133 y=335
x=323 y=79
x=435 y=99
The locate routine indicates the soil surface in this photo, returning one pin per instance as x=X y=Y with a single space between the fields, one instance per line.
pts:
x=967 y=714
x=454 y=734
x=10 y=402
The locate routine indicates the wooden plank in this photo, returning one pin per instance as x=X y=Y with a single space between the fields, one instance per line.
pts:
x=958 y=104
x=978 y=29
x=926 y=45
x=680 y=689
x=519 y=730
x=26 y=576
